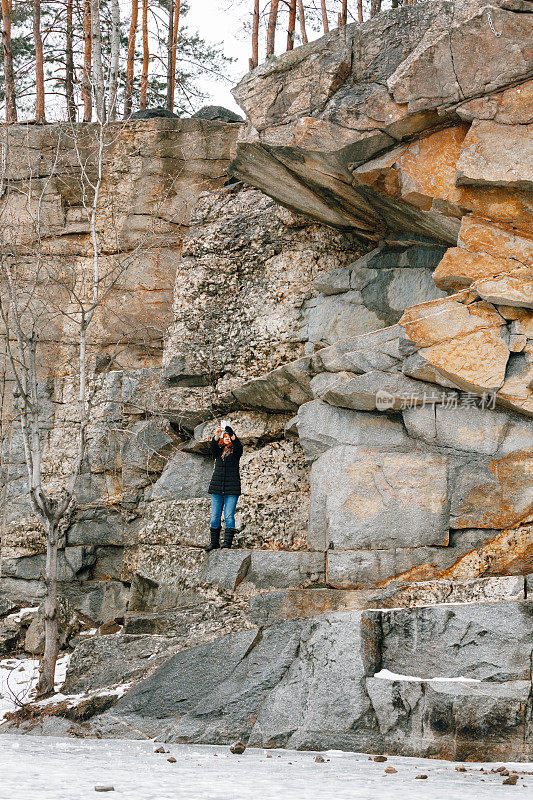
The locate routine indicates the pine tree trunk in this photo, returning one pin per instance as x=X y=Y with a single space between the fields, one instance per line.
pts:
x=292 y=25
x=11 y=103
x=325 y=22
x=344 y=13
x=98 y=70
x=301 y=14
x=271 y=30
x=170 y=44
x=255 y=36
x=69 y=65
x=146 y=57
x=174 y=23
x=131 y=58
x=51 y=637
x=39 y=64
x=375 y=7
x=115 y=56
x=86 y=87
x=360 y=10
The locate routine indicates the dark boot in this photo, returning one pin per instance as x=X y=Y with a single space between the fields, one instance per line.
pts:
x=229 y=533
x=215 y=540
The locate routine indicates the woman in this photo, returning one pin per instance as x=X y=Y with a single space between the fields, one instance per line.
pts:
x=225 y=486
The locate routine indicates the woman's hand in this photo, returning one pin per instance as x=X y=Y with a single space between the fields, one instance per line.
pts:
x=233 y=438
x=218 y=433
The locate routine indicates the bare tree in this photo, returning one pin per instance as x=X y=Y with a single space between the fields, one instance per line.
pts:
x=69 y=63
x=131 y=58
x=375 y=7
x=98 y=70
x=39 y=64
x=143 y=100
x=48 y=309
x=360 y=10
x=11 y=103
x=115 y=59
x=87 y=83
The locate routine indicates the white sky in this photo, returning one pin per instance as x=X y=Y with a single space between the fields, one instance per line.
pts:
x=222 y=21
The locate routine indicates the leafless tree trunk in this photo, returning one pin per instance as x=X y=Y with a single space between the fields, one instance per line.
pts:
x=174 y=22
x=51 y=632
x=375 y=7
x=292 y=25
x=143 y=102
x=360 y=10
x=115 y=59
x=87 y=85
x=271 y=30
x=69 y=64
x=11 y=103
x=131 y=58
x=301 y=14
x=98 y=70
x=325 y=22
x=254 y=61
x=39 y=64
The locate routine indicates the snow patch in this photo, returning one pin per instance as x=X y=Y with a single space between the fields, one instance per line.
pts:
x=18 y=679
x=387 y=675
x=18 y=615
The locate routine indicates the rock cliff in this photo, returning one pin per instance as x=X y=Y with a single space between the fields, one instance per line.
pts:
x=357 y=298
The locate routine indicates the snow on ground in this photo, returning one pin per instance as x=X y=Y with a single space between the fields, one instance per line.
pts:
x=18 y=615
x=18 y=679
x=41 y=768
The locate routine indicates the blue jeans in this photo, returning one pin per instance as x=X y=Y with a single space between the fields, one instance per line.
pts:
x=228 y=502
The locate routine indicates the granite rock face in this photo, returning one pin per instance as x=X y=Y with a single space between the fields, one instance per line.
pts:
x=327 y=683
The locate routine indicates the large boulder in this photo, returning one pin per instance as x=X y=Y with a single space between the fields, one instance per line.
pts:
x=478 y=641
x=366 y=498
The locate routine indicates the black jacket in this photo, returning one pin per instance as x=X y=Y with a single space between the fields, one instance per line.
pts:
x=226 y=478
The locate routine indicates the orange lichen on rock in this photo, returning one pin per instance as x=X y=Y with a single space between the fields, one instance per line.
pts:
x=459 y=267
x=509 y=553
x=447 y=318
x=511 y=289
x=474 y=362
x=484 y=236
